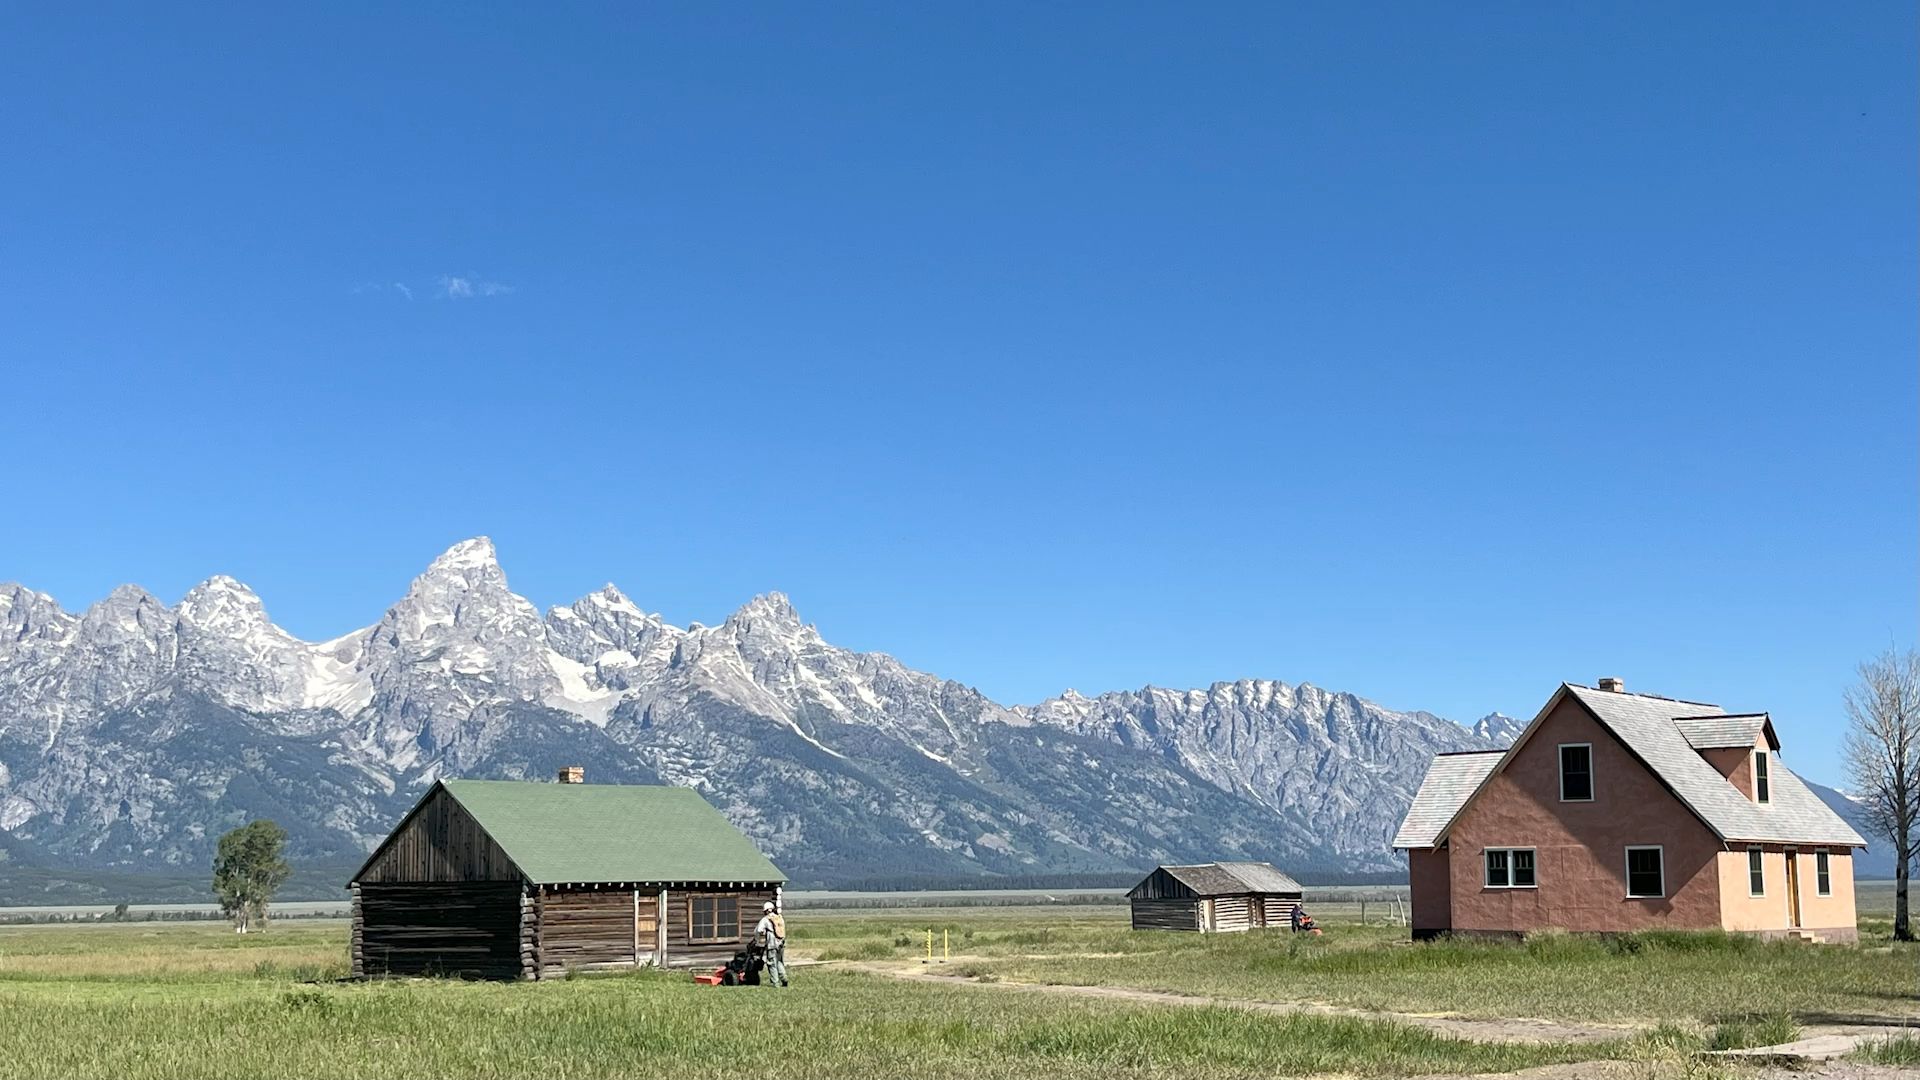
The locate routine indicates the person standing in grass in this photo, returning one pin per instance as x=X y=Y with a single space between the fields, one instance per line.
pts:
x=770 y=933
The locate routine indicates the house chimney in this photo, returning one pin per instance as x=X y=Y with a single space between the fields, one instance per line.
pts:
x=573 y=774
x=1613 y=685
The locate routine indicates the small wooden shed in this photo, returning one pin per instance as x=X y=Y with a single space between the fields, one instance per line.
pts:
x=1214 y=897
x=511 y=879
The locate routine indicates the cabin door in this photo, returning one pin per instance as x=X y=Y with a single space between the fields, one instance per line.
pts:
x=1793 y=888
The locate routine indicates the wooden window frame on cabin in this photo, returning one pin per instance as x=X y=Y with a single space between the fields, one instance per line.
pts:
x=1511 y=869
x=1762 y=778
x=713 y=922
x=1822 y=872
x=1756 y=870
x=1627 y=864
x=1561 y=755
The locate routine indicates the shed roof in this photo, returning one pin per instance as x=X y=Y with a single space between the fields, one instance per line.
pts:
x=1450 y=781
x=1232 y=878
x=611 y=832
x=1649 y=728
x=1731 y=731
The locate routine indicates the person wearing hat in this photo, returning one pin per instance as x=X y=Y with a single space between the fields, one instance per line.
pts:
x=770 y=933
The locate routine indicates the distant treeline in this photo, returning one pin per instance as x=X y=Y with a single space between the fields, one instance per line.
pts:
x=1062 y=882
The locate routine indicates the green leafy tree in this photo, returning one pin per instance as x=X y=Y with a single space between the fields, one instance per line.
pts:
x=248 y=867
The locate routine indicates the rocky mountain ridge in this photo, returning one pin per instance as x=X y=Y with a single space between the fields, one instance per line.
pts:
x=133 y=733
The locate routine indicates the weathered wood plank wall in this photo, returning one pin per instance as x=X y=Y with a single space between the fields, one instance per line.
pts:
x=1166 y=915
x=440 y=842
x=1161 y=885
x=597 y=927
x=440 y=928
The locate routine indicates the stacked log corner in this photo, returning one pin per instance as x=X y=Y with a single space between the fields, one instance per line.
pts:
x=356 y=949
x=529 y=935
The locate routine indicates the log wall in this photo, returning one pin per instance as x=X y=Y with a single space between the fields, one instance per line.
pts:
x=1166 y=914
x=1279 y=909
x=472 y=929
x=1231 y=913
x=590 y=929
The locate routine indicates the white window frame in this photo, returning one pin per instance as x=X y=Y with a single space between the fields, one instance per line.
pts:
x=1626 y=864
x=1560 y=761
x=1752 y=850
x=1822 y=872
x=1762 y=777
x=1486 y=872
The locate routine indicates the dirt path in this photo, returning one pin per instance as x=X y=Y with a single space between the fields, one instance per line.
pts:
x=1505 y=1030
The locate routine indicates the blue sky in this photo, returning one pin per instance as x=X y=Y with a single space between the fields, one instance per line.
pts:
x=1438 y=355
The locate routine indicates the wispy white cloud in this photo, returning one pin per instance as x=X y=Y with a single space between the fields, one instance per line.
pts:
x=446 y=286
x=466 y=287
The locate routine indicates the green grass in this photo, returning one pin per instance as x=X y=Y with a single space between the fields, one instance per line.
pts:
x=1646 y=977
x=197 y=1003
x=1744 y=1032
x=1898 y=1050
x=136 y=1001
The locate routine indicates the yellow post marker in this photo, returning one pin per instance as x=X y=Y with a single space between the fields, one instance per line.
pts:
x=929 y=956
x=945 y=952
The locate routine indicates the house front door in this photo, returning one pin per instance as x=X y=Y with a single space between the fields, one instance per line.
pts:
x=1793 y=888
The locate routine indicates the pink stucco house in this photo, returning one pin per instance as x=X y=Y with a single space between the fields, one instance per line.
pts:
x=1615 y=811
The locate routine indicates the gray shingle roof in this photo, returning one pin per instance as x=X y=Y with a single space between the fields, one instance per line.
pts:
x=1451 y=780
x=1652 y=728
x=1233 y=878
x=1793 y=814
x=1723 y=732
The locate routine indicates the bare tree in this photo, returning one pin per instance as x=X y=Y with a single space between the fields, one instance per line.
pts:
x=1883 y=762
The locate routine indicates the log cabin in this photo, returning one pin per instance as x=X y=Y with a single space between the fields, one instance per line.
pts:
x=1214 y=898
x=1617 y=811
x=506 y=879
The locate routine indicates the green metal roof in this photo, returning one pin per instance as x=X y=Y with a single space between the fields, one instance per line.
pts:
x=611 y=832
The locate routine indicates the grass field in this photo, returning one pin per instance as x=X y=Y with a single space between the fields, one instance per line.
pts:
x=1649 y=977
x=135 y=1001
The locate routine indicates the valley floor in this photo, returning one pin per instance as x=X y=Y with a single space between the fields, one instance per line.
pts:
x=1063 y=992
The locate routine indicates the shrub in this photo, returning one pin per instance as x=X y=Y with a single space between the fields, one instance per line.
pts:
x=1744 y=1032
x=1898 y=1050
x=307 y=1001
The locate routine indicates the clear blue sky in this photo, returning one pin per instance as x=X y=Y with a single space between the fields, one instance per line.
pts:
x=1433 y=353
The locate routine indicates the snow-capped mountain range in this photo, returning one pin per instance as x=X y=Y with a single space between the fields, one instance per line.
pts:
x=133 y=733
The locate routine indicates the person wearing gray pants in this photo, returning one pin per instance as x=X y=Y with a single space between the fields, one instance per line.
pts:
x=770 y=934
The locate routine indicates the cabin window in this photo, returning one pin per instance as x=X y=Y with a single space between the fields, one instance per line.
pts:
x=714 y=918
x=1576 y=772
x=1762 y=784
x=1756 y=872
x=1822 y=873
x=1646 y=875
x=1510 y=868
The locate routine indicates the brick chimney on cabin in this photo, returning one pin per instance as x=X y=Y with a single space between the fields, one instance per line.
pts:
x=1612 y=684
x=572 y=774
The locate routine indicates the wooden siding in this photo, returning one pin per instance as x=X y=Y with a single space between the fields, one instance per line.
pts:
x=1232 y=913
x=439 y=842
x=596 y=928
x=1166 y=915
x=1221 y=914
x=682 y=950
x=1160 y=885
x=1279 y=909
x=439 y=928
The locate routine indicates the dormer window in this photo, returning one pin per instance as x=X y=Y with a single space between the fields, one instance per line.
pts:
x=1762 y=787
x=1576 y=772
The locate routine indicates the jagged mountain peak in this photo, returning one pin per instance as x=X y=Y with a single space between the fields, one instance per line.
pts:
x=819 y=751
x=222 y=601
x=770 y=605
x=1499 y=728
x=474 y=554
